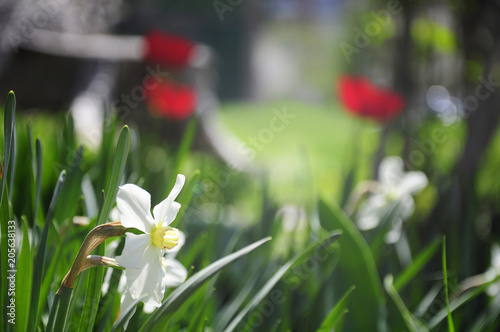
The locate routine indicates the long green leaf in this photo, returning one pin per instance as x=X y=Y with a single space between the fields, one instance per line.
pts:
x=185 y=198
x=412 y=323
x=38 y=177
x=180 y=294
x=47 y=282
x=262 y=293
x=451 y=327
x=337 y=313
x=419 y=262
x=231 y=308
x=96 y=275
x=183 y=150
x=74 y=322
x=71 y=191
x=9 y=125
x=458 y=302
x=13 y=158
x=357 y=266
x=62 y=311
x=53 y=312
x=38 y=264
x=117 y=173
x=124 y=317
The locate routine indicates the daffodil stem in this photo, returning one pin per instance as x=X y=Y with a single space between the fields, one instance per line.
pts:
x=95 y=237
x=53 y=310
x=62 y=312
x=362 y=189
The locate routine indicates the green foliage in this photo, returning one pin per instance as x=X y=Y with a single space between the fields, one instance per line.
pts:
x=307 y=278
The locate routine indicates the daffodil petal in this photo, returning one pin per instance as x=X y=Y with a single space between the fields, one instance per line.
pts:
x=411 y=183
x=148 y=308
x=394 y=234
x=126 y=303
x=134 y=204
x=133 y=251
x=391 y=172
x=146 y=280
x=171 y=213
x=495 y=256
x=175 y=275
x=406 y=206
x=371 y=212
x=162 y=210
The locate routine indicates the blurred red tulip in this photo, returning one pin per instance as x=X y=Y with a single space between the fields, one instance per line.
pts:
x=166 y=49
x=362 y=98
x=172 y=101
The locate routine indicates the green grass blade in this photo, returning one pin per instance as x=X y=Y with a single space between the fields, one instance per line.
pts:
x=456 y=303
x=418 y=263
x=71 y=191
x=13 y=158
x=180 y=294
x=185 y=198
x=338 y=312
x=110 y=305
x=38 y=177
x=74 y=322
x=120 y=323
x=358 y=267
x=96 y=275
x=262 y=293
x=23 y=278
x=117 y=173
x=183 y=150
x=427 y=300
x=62 y=311
x=451 y=327
x=40 y=256
x=9 y=124
x=53 y=312
x=47 y=282
x=412 y=323
x=232 y=307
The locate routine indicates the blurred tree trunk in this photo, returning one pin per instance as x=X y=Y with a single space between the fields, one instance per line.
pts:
x=457 y=206
x=402 y=82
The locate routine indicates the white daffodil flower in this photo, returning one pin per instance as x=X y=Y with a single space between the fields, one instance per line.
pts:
x=143 y=254
x=175 y=275
x=494 y=271
x=395 y=185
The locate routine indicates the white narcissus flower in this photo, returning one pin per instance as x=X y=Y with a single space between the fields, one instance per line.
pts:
x=494 y=271
x=147 y=271
x=395 y=185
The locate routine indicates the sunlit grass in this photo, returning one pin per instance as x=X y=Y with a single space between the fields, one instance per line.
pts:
x=317 y=145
